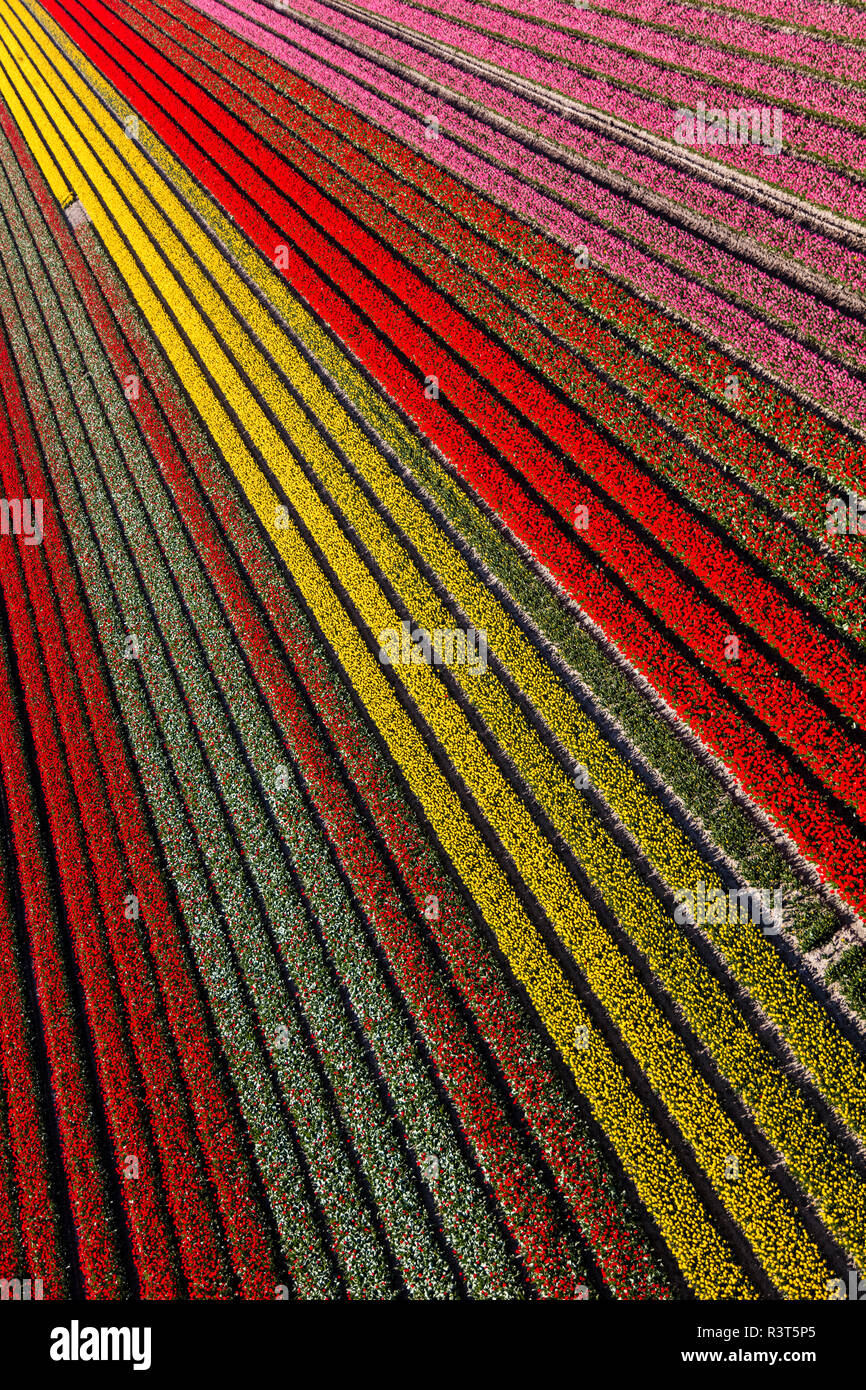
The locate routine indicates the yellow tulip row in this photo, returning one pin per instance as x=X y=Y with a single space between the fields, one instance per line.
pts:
x=791 y=1125
x=825 y=1172
x=832 y=1062
x=778 y=1238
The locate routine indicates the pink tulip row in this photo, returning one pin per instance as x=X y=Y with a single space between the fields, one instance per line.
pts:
x=662 y=89
x=825 y=18
x=829 y=57
x=705 y=307
x=658 y=177
x=683 y=50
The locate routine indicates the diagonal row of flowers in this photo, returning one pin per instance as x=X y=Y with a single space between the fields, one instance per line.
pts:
x=794 y=812
x=640 y=819
x=657 y=257
x=261 y=431
x=534 y=1083
x=645 y=94
x=31 y=1242
x=781 y=417
x=766 y=534
x=11 y=1244
x=338 y=969
x=526 y=1204
x=215 y=1131
x=98 y=1253
x=312 y=1267
x=205 y=940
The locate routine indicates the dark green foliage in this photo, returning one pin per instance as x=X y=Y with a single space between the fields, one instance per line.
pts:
x=849 y=973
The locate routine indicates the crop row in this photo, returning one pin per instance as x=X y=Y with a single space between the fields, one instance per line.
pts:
x=778 y=41
x=191 y=279
x=804 y=1032
x=251 y=741
x=354 y=974
x=517 y=39
x=825 y=662
x=398 y=821
x=424 y=993
x=31 y=1244
x=509 y=166
x=704 y=1003
x=805 y=797
x=84 y=1168
x=524 y=1199
x=767 y=536
x=348 y=1209
x=131 y=969
x=654 y=1173
x=780 y=417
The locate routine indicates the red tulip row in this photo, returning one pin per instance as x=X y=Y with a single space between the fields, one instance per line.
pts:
x=83 y=1164
x=307 y=1093
x=124 y=1016
x=771 y=542
x=785 y=418
x=217 y=1131
x=24 y=1159
x=780 y=702
x=235 y=526
x=822 y=659
x=319 y=1108
x=257 y=1277
x=265 y=1119
x=818 y=829
x=356 y=851
x=10 y=1242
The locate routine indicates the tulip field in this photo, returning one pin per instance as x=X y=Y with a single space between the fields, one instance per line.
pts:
x=432 y=649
